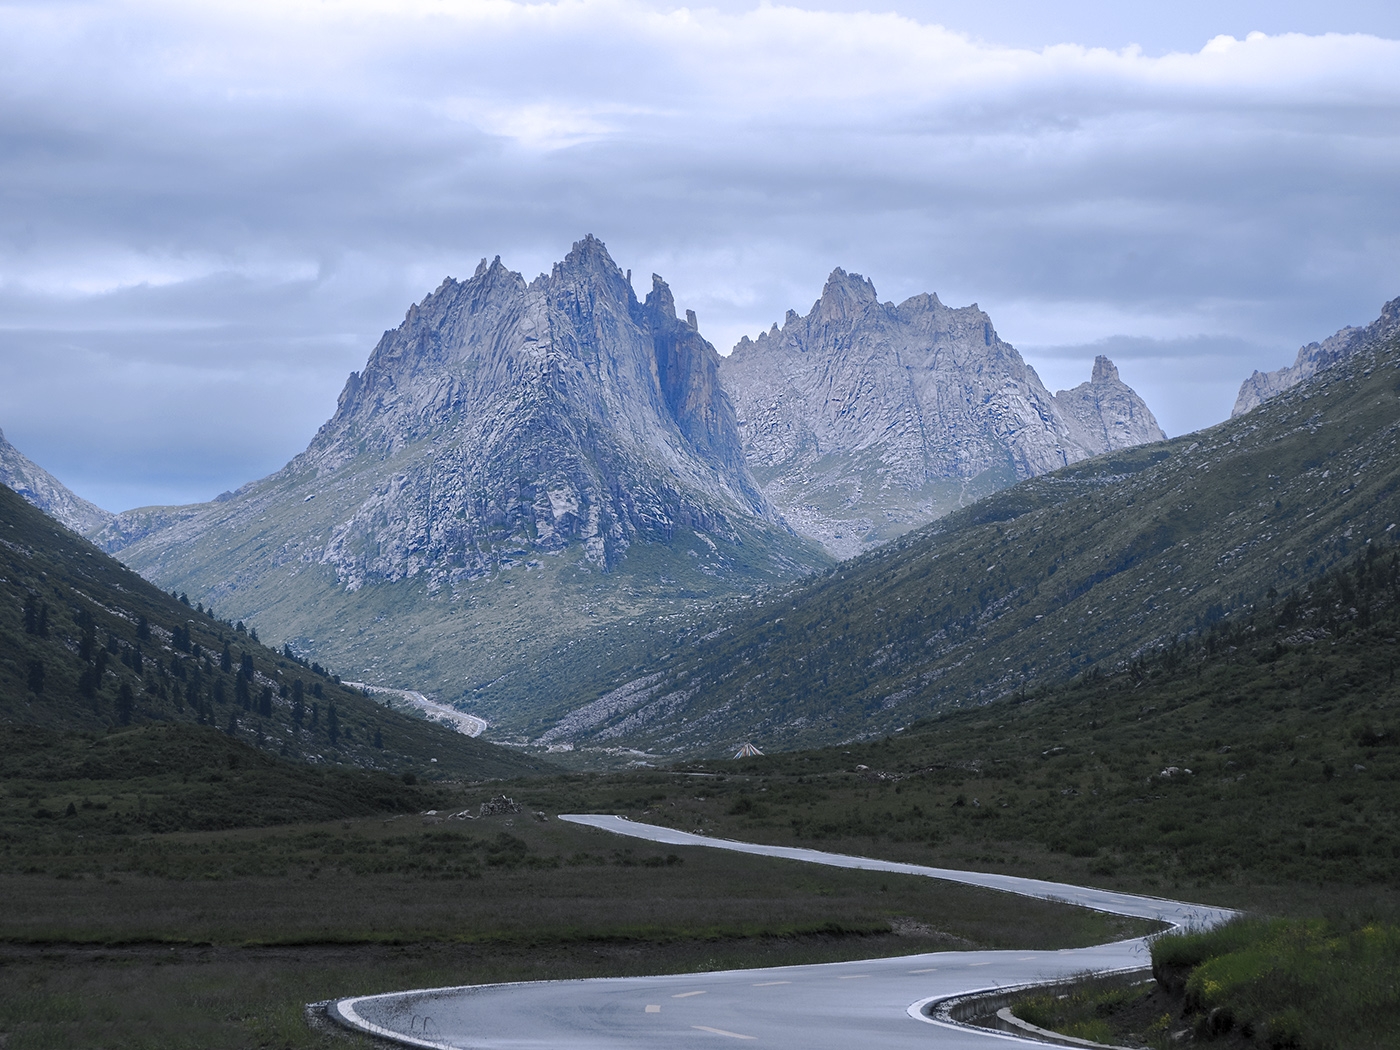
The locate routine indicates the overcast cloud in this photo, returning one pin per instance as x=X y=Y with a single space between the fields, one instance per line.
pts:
x=208 y=215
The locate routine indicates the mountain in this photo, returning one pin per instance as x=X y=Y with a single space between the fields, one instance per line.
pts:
x=865 y=419
x=47 y=493
x=1314 y=357
x=1091 y=566
x=520 y=470
x=87 y=646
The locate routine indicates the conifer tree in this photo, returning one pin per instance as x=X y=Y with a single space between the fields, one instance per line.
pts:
x=36 y=676
x=87 y=643
x=265 y=702
x=240 y=691
x=226 y=661
x=143 y=629
x=333 y=725
x=125 y=703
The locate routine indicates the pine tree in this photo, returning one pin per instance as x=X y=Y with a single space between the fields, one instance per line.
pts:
x=265 y=702
x=333 y=725
x=43 y=627
x=36 y=676
x=31 y=615
x=226 y=661
x=87 y=644
x=143 y=629
x=378 y=738
x=125 y=703
x=298 y=712
x=240 y=691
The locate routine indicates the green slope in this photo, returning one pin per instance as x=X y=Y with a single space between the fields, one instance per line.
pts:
x=86 y=645
x=1089 y=566
x=1263 y=752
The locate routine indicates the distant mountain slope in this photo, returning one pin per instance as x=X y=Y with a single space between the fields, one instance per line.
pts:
x=865 y=419
x=1087 y=566
x=1314 y=357
x=86 y=644
x=520 y=470
x=47 y=493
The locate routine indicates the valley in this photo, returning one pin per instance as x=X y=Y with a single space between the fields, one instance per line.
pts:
x=1167 y=670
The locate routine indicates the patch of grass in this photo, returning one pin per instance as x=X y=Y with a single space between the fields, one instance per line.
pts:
x=1305 y=984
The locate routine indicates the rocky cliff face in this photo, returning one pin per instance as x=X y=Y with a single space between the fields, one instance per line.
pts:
x=537 y=414
x=1314 y=357
x=47 y=493
x=864 y=419
x=556 y=445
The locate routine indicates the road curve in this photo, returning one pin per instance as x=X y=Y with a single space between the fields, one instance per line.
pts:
x=831 y=1006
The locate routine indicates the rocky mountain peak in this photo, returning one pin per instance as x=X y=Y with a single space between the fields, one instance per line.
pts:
x=844 y=296
x=503 y=418
x=864 y=419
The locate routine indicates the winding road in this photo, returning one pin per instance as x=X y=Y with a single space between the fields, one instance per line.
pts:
x=884 y=1003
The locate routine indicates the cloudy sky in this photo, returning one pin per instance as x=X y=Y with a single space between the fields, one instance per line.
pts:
x=209 y=212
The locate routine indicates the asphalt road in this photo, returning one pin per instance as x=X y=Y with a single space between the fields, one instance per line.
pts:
x=873 y=1003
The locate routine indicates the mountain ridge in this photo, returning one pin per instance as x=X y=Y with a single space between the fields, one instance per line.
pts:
x=864 y=419
x=21 y=474
x=1314 y=357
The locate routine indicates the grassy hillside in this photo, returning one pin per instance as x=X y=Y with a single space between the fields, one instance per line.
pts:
x=1263 y=752
x=87 y=645
x=1093 y=566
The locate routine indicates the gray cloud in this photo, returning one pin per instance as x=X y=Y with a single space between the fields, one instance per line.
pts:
x=207 y=216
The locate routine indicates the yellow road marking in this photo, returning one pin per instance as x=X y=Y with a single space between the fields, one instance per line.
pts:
x=721 y=1031
x=687 y=995
x=653 y=1009
x=769 y=984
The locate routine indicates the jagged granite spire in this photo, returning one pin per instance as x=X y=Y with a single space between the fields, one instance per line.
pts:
x=864 y=419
